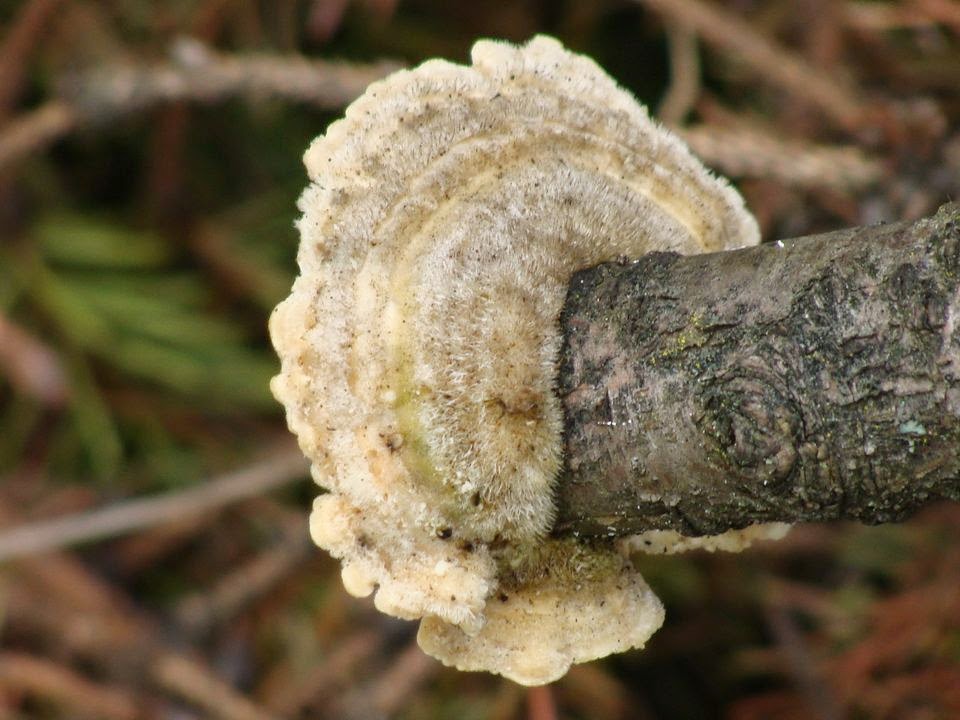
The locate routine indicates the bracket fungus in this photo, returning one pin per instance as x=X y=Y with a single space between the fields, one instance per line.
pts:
x=445 y=214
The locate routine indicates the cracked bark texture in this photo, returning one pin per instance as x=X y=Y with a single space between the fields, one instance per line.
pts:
x=811 y=379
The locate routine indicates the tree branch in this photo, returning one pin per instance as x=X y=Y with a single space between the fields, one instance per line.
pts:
x=811 y=379
x=280 y=468
x=195 y=73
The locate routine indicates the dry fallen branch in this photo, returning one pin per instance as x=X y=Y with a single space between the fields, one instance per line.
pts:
x=944 y=11
x=30 y=365
x=280 y=468
x=195 y=74
x=748 y=152
x=240 y=587
x=392 y=690
x=338 y=668
x=191 y=681
x=199 y=74
x=685 y=77
x=772 y=63
x=35 y=130
x=541 y=704
x=113 y=633
x=47 y=680
x=800 y=665
x=597 y=693
x=18 y=44
x=811 y=379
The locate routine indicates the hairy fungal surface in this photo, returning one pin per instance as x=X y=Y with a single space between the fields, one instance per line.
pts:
x=444 y=217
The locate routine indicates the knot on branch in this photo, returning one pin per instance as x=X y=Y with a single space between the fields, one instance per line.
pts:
x=755 y=424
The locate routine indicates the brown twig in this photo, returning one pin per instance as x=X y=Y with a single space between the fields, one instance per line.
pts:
x=408 y=672
x=84 y=613
x=873 y=17
x=195 y=74
x=771 y=62
x=324 y=19
x=164 y=181
x=799 y=663
x=684 y=85
x=540 y=703
x=30 y=366
x=104 y=638
x=750 y=152
x=50 y=681
x=239 y=276
x=190 y=680
x=944 y=11
x=35 y=130
x=115 y=632
x=280 y=468
x=245 y=584
x=507 y=702
x=88 y=617
x=17 y=46
x=600 y=695
x=135 y=553
x=387 y=694
x=66 y=578
x=335 y=670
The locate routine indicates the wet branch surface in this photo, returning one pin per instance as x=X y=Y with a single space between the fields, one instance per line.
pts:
x=813 y=379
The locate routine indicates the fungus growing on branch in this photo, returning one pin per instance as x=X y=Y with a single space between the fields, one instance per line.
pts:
x=445 y=215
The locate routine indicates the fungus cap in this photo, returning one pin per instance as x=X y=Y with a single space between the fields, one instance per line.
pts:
x=445 y=214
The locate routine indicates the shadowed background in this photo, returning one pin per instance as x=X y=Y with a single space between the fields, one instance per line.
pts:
x=149 y=169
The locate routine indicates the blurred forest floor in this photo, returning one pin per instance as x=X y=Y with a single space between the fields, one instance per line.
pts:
x=149 y=169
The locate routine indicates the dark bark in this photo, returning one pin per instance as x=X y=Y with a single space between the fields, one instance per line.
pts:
x=813 y=379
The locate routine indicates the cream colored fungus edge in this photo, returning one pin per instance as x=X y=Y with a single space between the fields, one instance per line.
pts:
x=445 y=214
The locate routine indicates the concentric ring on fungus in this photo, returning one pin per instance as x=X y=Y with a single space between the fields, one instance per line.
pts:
x=445 y=214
